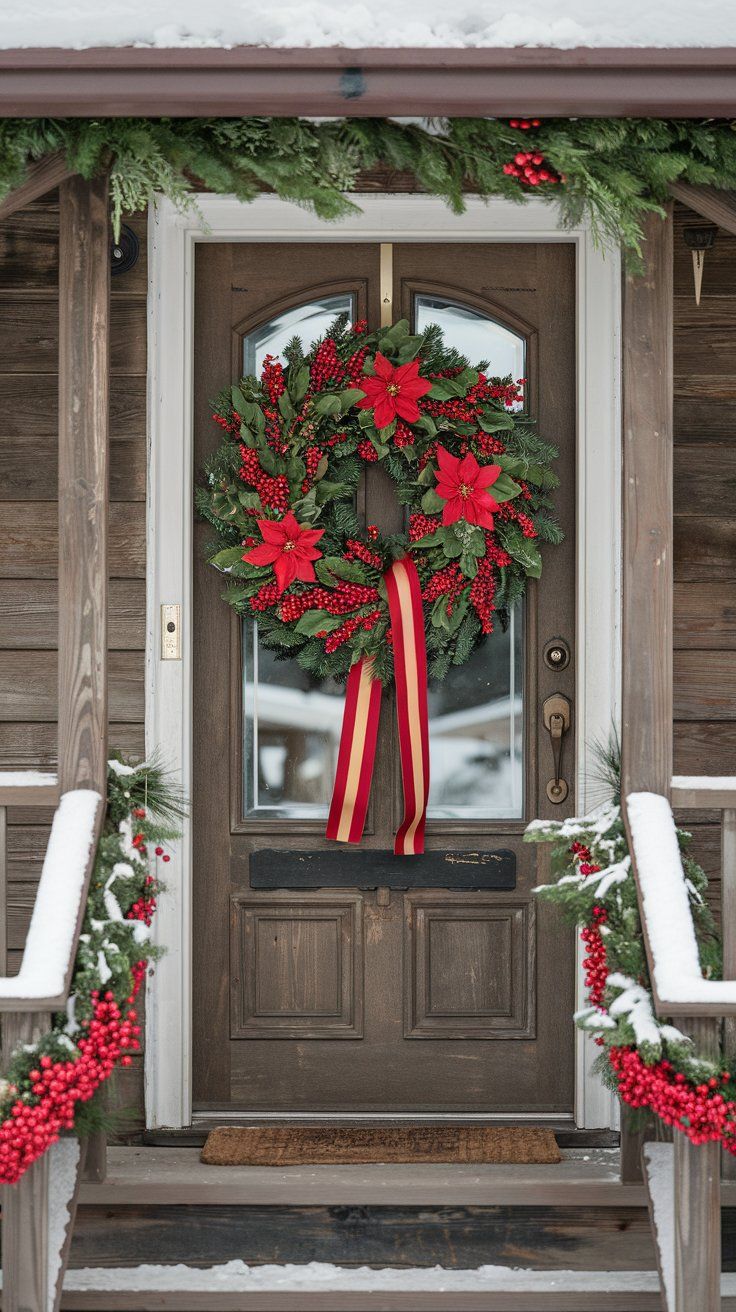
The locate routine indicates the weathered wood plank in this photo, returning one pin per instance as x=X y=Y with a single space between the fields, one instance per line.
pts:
x=698 y=1204
x=705 y=548
x=36 y=480
x=704 y=419
x=713 y=203
x=24 y=417
x=705 y=479
x=30 y=692
x=41 y=177
x=33 y=746
x=29 y=540
x=704 y=686
x=29 y=334
x=29 y=615
x=29 y=254
x=705 y=616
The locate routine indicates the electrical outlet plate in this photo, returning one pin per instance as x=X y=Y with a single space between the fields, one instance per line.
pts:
x=170 y=633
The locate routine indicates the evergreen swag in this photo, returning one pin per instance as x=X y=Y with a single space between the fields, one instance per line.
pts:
x=611 y=170
x=49 y=1084
x=281 y=495
x=648 y=1062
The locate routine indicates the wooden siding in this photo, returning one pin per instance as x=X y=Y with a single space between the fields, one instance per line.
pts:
x=29 y=341
x=705 y=525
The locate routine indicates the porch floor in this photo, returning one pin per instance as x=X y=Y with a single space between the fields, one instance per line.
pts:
x=160 y=1176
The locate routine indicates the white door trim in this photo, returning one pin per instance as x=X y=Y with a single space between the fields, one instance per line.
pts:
x=172 y=239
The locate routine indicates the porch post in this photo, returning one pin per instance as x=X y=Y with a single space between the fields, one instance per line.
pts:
x=646 y=739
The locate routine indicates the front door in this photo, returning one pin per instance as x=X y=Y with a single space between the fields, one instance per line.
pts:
x=454 y=997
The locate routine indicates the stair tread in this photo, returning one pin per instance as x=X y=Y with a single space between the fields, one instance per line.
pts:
x=160 y=1176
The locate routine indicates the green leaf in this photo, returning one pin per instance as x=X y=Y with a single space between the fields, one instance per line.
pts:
x=334 y=567
x=504 y=488
x=431 y=502
x=296 y=470
x=451 y=547
x=328 y=405
x=469 y=564
x=239 y=402
x=287 y=410
x=495 y=422
x=228 y=557
x=299 y=383
x=313 y=622
x=349 y=397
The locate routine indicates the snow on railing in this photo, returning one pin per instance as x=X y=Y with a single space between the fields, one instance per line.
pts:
x=704 y=791
x=28 y=788
x=677 y=981
x=51 y=943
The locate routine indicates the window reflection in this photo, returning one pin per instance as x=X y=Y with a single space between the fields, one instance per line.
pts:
x=476 y=733
x=475 y=336
x=291 y=732
x=307 y=322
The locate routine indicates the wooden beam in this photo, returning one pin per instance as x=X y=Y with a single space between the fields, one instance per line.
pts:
x=716 y=205
x=646 y=735
x=45 y=175
x=697 y=1186
x=25 y=1205
x=84 y=349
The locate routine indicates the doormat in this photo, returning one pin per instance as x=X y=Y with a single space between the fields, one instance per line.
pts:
x=362 y=1145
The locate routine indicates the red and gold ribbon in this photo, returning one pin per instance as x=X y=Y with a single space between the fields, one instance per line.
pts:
x=360 y=723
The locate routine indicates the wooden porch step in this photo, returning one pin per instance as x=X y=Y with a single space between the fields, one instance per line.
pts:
x=169 y=1176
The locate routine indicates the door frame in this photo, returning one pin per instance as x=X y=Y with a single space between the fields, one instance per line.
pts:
x=382 y=218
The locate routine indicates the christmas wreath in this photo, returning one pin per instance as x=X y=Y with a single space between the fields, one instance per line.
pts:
x=49 y=1084
x=651 y=1064
x=344 y=600
x=281 y=494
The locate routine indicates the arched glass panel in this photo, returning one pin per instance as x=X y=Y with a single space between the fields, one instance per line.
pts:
x=291 y=722
x=475 y=335
x=308 y=322
x=476 y=714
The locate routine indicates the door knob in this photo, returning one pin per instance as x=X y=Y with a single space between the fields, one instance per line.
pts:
x=556 y=716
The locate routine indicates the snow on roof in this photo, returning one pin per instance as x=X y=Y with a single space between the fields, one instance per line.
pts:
x=84 y=24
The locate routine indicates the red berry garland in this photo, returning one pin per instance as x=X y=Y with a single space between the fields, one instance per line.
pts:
x=281 y=492
x=689 y=1093
x=50 y=1081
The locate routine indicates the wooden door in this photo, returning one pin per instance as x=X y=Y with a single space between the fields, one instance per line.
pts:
x=449 y=998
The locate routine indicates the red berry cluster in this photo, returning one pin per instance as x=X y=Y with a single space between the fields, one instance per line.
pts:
x=272 y=378
x=355 y=550
x=354 y=367
x=327 y=369
x=509 y=511
x=703 y=1112
x=367 y=451
x=273 y=491
x=350 y=626
x=403 y=435
x=531 y=168
x=144 y=907
x=594 y=963
x=47 y=1104
x=422 y=526
x=266 y=596
x=340 y=600
x=482 y=593
x=525 y=123
x=448 y=582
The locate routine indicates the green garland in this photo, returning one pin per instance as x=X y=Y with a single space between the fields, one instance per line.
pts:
x=649 y=1062
x=612 y=171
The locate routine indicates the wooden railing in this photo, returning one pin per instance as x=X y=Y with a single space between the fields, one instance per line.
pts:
x=690 y=1250
x=32 y=1272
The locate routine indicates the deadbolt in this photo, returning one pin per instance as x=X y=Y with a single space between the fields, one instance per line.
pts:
x=556 y=654
x=556 y=716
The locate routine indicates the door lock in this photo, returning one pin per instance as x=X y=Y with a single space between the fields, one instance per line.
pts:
x=556 y=716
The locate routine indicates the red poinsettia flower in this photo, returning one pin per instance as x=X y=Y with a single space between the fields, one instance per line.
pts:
x=289 y=547
x=393 y=392
x=462 y=483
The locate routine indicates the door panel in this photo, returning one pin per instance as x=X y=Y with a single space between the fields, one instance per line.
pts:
x=442 y=1000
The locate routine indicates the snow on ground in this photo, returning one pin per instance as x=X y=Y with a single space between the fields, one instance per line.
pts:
x=236 y=1277
x=366 y=23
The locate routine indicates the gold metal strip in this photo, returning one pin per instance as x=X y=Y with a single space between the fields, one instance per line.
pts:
x=387 y=284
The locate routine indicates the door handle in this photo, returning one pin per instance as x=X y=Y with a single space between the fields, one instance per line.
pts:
x=556 y=715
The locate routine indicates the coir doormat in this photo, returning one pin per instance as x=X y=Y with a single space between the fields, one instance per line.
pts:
x=362 y=1145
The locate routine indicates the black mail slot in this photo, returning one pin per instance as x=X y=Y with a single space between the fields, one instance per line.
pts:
x=271 y=868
